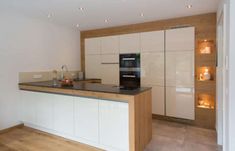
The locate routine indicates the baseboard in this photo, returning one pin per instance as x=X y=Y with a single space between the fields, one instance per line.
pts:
x=173 y=119
x=11 y=128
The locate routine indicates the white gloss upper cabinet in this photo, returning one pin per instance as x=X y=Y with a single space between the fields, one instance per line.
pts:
x=110 y=45
x=180 y=39
x=152 y=68
x=180 y=102
x=93 y=66
x=180 y=69
x=110 y=74
x=44 y=111
x=152 y=41
x=64 y=114
x=113 y=125
x=130 y=43
x=86 y=119
x=92 y=46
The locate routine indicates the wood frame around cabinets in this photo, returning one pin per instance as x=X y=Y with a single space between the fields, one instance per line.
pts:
x=205 y=26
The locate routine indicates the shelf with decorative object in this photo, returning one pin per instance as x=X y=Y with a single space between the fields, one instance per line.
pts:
x=205 y=100
x=206 y=47
x=205 y=73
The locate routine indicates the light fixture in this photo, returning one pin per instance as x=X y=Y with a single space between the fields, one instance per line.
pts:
x=49 y=15
x=81 y=8
x=106 y=20
x=189 y=6
x=142 y=14
x=77 y=25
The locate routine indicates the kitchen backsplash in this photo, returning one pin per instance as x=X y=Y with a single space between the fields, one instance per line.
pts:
x=44 y=76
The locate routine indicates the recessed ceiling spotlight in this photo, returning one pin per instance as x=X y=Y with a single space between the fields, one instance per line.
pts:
x=189 y=6
x=142 y=14
x=49 y=15
x=106 y=20
x=81 y=8
x=77 y=25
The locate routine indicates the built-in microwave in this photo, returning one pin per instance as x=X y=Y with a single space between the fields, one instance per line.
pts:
x=129 y=60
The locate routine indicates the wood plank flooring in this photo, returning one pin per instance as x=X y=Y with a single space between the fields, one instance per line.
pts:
x=27 y=139
x=167 y=136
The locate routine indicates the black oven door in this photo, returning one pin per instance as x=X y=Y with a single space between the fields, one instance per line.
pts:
x=129 y=60
x=129 y=79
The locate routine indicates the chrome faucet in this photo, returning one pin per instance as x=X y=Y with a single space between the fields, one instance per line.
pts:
x=62 y=73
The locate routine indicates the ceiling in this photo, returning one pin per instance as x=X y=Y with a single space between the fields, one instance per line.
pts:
x=107 y=13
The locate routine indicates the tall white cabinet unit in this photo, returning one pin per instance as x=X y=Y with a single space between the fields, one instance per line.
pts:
x=93 y=58
x=152 y=68
x=179 y=70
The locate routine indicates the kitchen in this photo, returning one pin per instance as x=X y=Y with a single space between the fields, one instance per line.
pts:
x=140 y=84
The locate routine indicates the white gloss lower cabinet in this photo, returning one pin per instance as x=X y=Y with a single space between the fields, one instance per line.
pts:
x=44 y=110
x=180 y=102
x=64 y=114
x=113 y=125
x=86 y=119
x=29 y=100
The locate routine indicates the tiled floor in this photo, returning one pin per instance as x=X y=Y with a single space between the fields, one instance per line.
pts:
x=169 y=136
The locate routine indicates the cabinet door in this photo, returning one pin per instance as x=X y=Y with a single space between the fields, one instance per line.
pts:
x=86 y=119
x=110 y=74
x=180 y=102
x=130 y=43
x=180 y=39
x=92 y=66
x=64 y=114
x=110 y=45
x=29 y=100
x=113 y=125
x=152 y=68
x=44 y=110
x=180 y=69
x=158 y=100
x=152 y=41
x=92 y=46
x=110 y=69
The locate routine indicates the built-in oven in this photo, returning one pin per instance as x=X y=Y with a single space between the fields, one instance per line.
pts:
x=129 y=71
x=129 y=60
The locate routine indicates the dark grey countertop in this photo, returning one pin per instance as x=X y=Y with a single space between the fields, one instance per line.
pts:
x=95 y=87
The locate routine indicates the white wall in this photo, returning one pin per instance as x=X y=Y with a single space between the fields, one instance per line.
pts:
x=29 y=44
x=232 y=76
x=229 y=102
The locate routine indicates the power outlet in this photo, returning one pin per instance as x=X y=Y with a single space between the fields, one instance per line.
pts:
x=37 y=76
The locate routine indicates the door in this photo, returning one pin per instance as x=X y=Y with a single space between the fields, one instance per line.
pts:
x=130 y=43
x=110 y=45
x=44 y=111
x=64 y=114
x=113 y=125
x=92 y=46
x=110 y=69
x=86 y=119
x=93 y=66
x=29 y=107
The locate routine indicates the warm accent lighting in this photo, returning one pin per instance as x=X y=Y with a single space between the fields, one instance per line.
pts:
x=204 y=74
x=205 y=101
x=205 y=46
